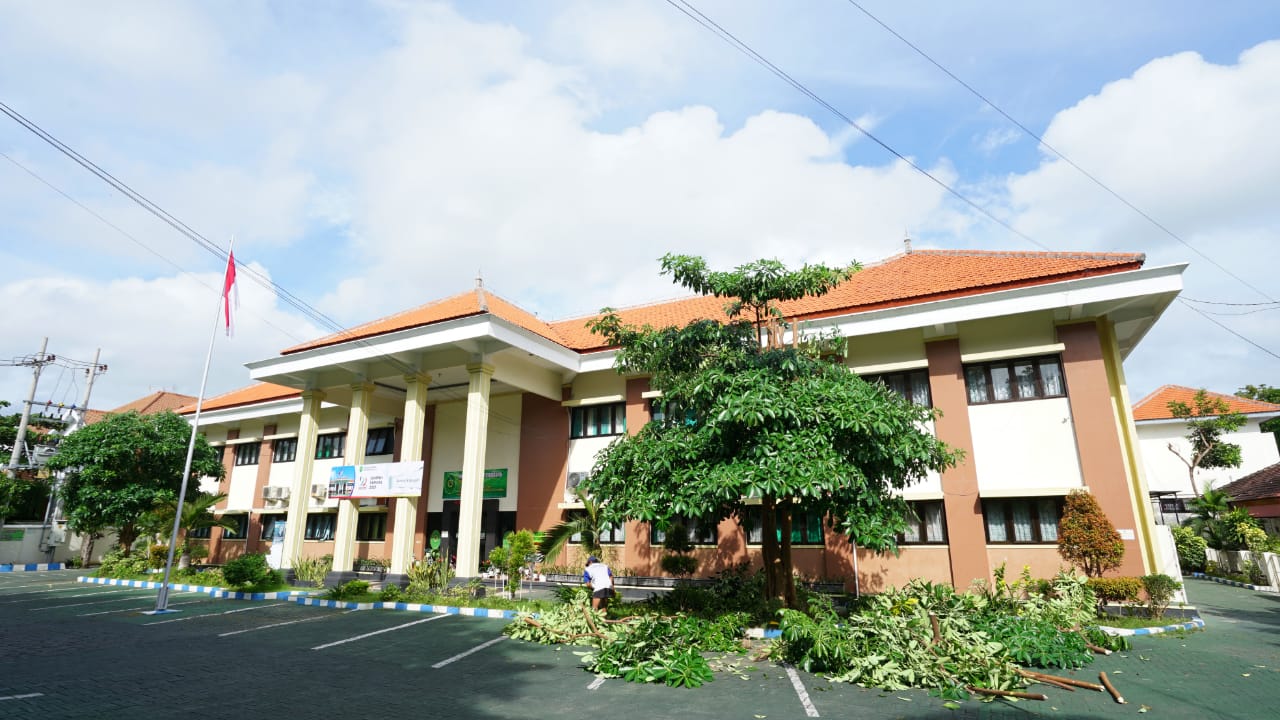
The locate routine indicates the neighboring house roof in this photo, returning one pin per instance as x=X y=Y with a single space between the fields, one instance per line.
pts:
x=156 y=402
x=1155 y=406
x=1264 y=483
x=905 y=279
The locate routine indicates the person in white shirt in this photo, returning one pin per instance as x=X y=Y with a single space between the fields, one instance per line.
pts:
x=600 y=578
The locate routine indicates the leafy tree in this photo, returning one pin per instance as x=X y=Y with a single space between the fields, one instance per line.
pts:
x=587 y=523
x=119 y=469
x=1265 y=393
x=515 y=553
x=197 y=514
x=753 y=416
x=1208 y=419
x=1086 y=536
x=23 y=495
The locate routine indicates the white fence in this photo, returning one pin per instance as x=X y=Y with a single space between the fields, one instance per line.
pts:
x=1233 y=561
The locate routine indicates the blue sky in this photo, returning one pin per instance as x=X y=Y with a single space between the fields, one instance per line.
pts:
x=374 y=156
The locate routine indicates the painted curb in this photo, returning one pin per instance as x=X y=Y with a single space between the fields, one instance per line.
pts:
x=1194 y=624
x=215 y=592
x=412 y=607
x=1233 y=583
x=30 y=567
x=763 y=633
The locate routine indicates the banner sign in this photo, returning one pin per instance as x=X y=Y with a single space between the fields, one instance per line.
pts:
x=398 y=479
x=495 y=484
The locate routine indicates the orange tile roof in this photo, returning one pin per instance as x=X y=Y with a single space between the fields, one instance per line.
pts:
x=1155 y=406
x=156 y=402
x=915 y=277
x=1264 y=483
x=258 y=392
x=466 y=304
x=906 y=279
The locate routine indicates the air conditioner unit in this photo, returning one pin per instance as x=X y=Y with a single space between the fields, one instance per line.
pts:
x=574 y=480
x=270 y=492
x=282 y=492
x=319 y=489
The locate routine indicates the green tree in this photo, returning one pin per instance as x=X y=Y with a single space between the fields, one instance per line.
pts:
x=588 y=524
x=1086 y=536
x=197 y=514
x=752 y=416
x=119 y=469
x=1208 y=418
x=1265 y=393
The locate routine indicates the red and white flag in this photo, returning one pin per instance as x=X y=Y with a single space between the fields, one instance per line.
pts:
x=229 y=286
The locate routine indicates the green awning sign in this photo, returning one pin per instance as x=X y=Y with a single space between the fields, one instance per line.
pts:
x=495 y=484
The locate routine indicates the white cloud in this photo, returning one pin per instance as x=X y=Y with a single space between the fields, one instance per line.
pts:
x=997 y=138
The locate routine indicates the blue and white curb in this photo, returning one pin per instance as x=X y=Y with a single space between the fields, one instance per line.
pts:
x=216 y=592
x=411 y=607
x=1194 y=624
x=1233 y=583
x=30 y=567
x=763 y=633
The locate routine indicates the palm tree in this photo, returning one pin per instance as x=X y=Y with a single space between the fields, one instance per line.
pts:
x=197 y=514
x=585 y=523
x=1209 y=508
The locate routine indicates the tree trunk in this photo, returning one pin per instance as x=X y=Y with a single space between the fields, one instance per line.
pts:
x=788 y=576
x=86 y=550
x=1191 y=472
x=128 y=534
x=769 y=549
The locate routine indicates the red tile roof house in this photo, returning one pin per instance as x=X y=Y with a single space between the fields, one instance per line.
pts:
x=1259 y=491
x=1168 y=480
x=1021 y=351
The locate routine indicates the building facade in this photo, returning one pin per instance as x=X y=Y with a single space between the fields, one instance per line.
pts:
x=1020 y=352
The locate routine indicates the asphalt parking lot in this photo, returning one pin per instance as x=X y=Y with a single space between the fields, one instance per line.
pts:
x=70 y=650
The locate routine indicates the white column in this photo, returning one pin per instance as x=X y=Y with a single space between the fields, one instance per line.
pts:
x=304 y=464
x=473 y=461
x=344 y=535
x=415 y=416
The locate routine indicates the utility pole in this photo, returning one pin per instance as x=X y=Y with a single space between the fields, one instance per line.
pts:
x=53 y=511
x=37 y=364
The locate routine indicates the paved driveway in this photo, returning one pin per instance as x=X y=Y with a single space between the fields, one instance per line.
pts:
x=69 y=650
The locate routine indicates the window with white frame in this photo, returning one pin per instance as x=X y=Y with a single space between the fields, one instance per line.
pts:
x=926 y=524
x=1022 y=520
x=910 y=385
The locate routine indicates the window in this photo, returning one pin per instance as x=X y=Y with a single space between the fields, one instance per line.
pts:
x=926 y=524
x=806 y=526
x=269 y=525
x=660 y=410
x=381 y=441
x=247 y=453
x=200 y=533
x=1022 y=520
x=240 y=531
x=597 y=420
x=222 y=454
x=1173 y=505
x=320 y=526
x=284 y=450
x=611 y=536
x=371 y=527
x=699 y=533
x=330 y=446
x=1009 y=380
x=911 y=385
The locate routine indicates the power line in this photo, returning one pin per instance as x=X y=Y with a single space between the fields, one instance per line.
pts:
x=697 y=16
x=1058 y=153
x=1233 y=332
x=1213 y=302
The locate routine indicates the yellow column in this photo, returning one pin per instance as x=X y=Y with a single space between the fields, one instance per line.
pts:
x=1129 y=439
x=344 y=536
x=300 y=491
x=473 y=459
x=415 y=416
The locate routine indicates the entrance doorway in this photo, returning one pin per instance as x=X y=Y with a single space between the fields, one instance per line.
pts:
x=494 y=524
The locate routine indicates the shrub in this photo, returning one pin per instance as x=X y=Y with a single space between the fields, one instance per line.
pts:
x=198 y=552
x=517 y=551
x=1160 y=589
x=158 y=555
x=1086 y=536
x=679 y=565
x=349 y=590
x=118 y=565
x=313 y=570
x=251 y=569
x=391 y=593
x=427 y=576
x=1126 y=590
x=1190 y=547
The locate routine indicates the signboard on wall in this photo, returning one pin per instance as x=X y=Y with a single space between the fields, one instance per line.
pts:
x=495 y=484
x=379 y=480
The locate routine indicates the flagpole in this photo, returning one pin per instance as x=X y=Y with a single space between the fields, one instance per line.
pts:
x=162 y=596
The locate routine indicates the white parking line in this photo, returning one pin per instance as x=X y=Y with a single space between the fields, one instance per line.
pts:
x=63 y=597
x=140 y=607
x=92 y=602
x=596 y=683
x=228 y=612
x=461 y=655
x=809 y=709
x=21 y=697
x=264 y=627
x=378 y=632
